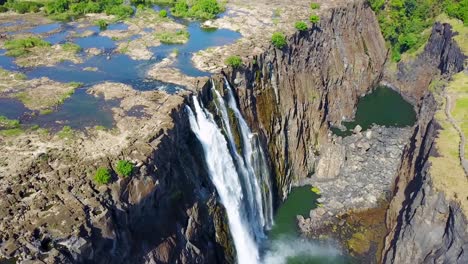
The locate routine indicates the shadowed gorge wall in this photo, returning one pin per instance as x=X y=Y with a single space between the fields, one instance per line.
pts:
x=291 y=95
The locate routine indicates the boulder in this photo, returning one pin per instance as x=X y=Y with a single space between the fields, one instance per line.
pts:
x=357 y=129
x=331 y=161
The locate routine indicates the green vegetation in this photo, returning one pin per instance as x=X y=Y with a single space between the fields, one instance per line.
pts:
x=315 y=190
x=120 y=11
x=124 y=168
x=22 y=46
x=66 y=133
x=314 y=19
x=163 y=13
x=177 y=37
x=315 y=5
x=67 y=9
x=234 y=61
x=278 y=40
x=301 y=26
x=200 y=9
x=6 y=123
x=22 y=7
x=102 y=24
x=102 y=176
x=404 y=22
x=446 y=172
x=69 y=46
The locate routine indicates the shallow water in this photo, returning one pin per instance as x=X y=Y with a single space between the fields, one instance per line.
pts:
x=7 y=63
x=95 y=41
x=200 y=39
x=44 y=28
x=81 y=109
x=12 y=108
x=383 y=106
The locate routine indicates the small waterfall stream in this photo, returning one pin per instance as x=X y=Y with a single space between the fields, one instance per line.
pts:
x=241 y=178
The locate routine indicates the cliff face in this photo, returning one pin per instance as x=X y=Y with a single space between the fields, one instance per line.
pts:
x=290 y=95
x=424 y=226
x=166 y=212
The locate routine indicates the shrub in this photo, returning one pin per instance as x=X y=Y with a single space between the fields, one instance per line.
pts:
x=56 y=7
x=278 y=40
x=315 y=5
x=205 y=9
x=201 y=9
x=24 y=6
x=180 y=9
x=19 y=47
x=3 y=9
x=120 y=11
x=234 y=61
x=124 y=168
x=314 y=19
x=163 y=13
x=301 y=26
x=102 y=176
x=102 y=24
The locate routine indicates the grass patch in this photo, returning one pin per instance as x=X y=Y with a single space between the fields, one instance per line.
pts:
x=177 y=37
x=72 y=47
x=446 y=171
x=458 y=26
x=6 y=123
x=22 y=46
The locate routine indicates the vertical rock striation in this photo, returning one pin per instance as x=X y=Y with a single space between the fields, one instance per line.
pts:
x=424 y=226
x=291 y=95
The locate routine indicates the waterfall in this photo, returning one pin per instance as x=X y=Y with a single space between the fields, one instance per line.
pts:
x=242 y=180
x=256 y=164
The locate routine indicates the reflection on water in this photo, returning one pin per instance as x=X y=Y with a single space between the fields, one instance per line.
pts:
x=382 y=107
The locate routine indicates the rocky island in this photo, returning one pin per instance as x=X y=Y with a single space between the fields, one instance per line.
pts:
x=204 y=131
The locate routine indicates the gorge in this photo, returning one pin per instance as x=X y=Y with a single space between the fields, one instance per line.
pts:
x=213 y=163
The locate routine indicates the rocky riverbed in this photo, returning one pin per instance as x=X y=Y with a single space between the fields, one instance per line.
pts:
x=356 y=172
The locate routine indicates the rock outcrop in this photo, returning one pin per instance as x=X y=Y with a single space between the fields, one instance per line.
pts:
x=424 y=226
x=290 y=95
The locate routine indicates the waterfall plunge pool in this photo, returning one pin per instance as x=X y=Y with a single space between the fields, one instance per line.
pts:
x=285 y=244
x=384 y=107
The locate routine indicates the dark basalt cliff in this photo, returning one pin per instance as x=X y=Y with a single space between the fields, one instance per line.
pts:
x=424 y=226
x=291 y=95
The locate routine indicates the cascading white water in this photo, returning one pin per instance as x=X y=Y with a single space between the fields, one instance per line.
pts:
x=241 y=179
x=224 y=176
x=256 y=164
